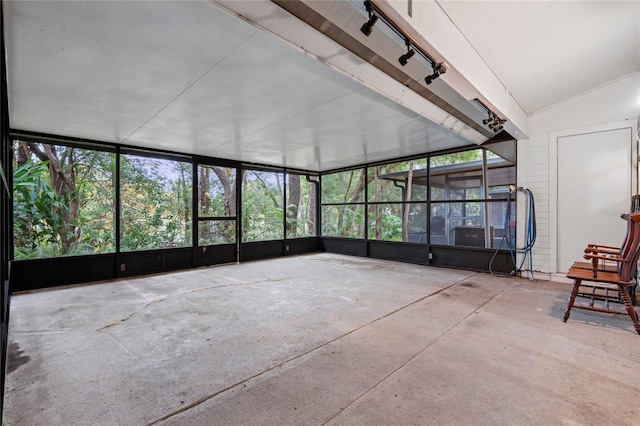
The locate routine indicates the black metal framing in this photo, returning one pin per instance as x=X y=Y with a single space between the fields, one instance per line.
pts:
x=39 y=273
x=6 y=214
x=463 y=257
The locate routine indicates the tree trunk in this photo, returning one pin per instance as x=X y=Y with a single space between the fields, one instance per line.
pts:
x=293 y=203
x=224 y=174
x=63 y=182
x=204 y=200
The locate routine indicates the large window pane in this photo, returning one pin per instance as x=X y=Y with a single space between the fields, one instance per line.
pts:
x=156 y=203
x=457 y=176
x=216 y=191
x=502 y=218
x=301 y=206
x=395 y=222
x=454 y=224
x=343 y=221
x=63 y=201
x=212 y=232
x=343 y=187
x=402 y=181
x=262 y=200
x=499 y=178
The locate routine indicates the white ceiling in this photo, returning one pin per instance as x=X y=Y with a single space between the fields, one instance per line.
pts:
x=545 y=52
x=190 y=77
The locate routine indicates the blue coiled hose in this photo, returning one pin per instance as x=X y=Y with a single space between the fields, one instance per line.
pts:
x=530 y=234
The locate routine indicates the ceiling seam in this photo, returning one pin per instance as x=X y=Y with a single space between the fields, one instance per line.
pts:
x=351 y=92
x=585 y=92
x=190 y=86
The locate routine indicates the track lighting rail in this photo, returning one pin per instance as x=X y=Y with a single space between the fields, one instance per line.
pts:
x=376 y=14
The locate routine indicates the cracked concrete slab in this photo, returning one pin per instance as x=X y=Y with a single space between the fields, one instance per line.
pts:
x=316 y=339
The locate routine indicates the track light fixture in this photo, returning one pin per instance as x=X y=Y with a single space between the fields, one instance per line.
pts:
x=438 y=70
x=367 y=27
x=493 y=121
x=376 y=13
x=405 y=58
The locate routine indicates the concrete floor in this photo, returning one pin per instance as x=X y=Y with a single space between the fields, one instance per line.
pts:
x=318 y=339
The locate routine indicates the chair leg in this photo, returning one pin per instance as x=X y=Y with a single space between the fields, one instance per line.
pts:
x=572 y=298
x=627 y=303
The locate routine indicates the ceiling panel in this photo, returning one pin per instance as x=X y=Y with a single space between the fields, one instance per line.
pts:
x=101 y=69
x=548 y=51
x=191 y=78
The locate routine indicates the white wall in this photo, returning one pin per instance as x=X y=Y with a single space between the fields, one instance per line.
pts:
x=614 y=104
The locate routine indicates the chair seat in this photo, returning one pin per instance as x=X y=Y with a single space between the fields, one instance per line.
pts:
x=589 y=266
x=603 y=276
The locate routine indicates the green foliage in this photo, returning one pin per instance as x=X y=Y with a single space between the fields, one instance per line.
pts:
x=37 y=211
x=156 y=203
x=343 y=221
x=262 y=206
x=456 y=158
x=70 y=219
x=385 y=222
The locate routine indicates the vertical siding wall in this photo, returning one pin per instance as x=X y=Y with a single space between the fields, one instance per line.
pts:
x=615 y=102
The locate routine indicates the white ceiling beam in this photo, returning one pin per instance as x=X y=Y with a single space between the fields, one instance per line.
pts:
x=433 y=24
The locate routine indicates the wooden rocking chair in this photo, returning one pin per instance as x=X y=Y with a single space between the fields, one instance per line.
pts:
x=605 y=262
x=602 y=285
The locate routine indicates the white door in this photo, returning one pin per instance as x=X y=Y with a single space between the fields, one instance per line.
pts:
x=594 y=188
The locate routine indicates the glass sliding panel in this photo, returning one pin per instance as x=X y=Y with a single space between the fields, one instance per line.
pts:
x=63 y=200
x=212 y=232
x=301 y=206
x=343 y=221
x=262 y=201
x=402 y=181
x=343 y=187
x=156 y=203
x=216 y=191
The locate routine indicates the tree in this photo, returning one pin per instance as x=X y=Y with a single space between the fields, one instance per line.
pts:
x=62 y=175
x=64 y=200
x=293 y=204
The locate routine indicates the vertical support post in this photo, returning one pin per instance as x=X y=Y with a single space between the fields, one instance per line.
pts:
x=319 y=207
x=239 y=178
x=284 y=212
x=366 y=211
x=195 y=187
x=485 y=196
x=428 y=227
x=118 y=227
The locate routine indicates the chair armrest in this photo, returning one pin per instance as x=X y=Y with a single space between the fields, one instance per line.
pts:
x=589 y=246
x=602 y=250
x=598 y=257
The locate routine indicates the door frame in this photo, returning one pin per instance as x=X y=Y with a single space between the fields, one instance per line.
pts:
x=553 y=173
